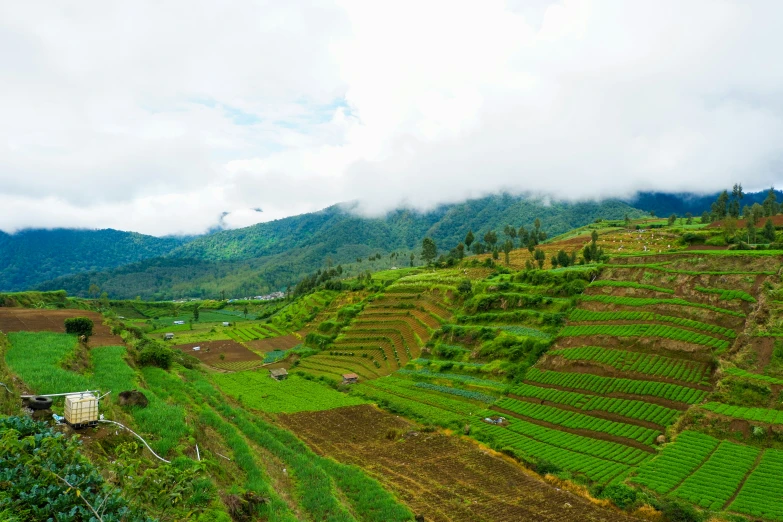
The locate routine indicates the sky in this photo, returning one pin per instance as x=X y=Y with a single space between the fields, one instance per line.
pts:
x=171 y=117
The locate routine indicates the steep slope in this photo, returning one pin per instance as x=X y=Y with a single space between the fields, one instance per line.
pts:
x=33 y=256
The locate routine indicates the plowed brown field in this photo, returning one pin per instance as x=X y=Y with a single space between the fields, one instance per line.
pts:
x=443 y=478
x=39 y=320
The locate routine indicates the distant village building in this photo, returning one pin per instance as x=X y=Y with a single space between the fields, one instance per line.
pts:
x=278 y=374
x=350 y=378
x=168 y=336
x=226 y=323
x=179 y=322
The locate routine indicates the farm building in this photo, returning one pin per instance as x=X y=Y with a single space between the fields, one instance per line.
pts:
x=226 y=323
x=179 y=322
x=278 y=374
x=350 y=378
x=168 y=336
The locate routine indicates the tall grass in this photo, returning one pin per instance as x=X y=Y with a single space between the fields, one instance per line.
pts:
x=36 y=356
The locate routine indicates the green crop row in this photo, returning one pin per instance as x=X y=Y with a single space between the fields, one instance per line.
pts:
x=650 y=301
x=631 y=284
x=648 y=364
x=603 y=449
x=574 y=420
x=257 y=390
x=727 y=295
x=607 y=385
x=743 y=412
x=646 y=330
x=457 y=377
x=579 y=314
x=596 y=469
x=677 y=461
x=737 y=372
x=408 y=407
x=407 y=390
x=760 y=496
x=627 y=408
x=523 y=331
x=713 y=484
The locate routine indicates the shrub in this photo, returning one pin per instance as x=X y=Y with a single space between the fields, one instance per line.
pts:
x=621 y=495
x=152 y=353
x=79 y=326
x=674 y=511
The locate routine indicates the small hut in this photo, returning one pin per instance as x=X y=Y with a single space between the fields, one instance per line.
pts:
x=350 y=378
x=168 y=336
x=278 y=374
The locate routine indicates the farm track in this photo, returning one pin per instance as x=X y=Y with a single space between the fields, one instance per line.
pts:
x=441 y=477
x=600 y=435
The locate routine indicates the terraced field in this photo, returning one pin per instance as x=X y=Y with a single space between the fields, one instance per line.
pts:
x=382 y=338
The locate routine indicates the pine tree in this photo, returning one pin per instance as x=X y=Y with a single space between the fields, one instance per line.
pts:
x=769 y=230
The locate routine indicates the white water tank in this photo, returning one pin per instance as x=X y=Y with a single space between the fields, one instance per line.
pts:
x=81 y=408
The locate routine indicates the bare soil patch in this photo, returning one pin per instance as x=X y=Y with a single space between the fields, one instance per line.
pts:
x=444 y=478
x=274 y=343
x=210 y=352
x=764 y=347
x=40 y=320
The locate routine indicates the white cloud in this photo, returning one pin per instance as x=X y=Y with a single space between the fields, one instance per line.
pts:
x=160 y=117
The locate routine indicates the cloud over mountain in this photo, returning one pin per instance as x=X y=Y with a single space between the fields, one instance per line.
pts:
x=159 y=117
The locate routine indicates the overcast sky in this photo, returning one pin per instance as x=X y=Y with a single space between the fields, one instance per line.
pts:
x=160 y=116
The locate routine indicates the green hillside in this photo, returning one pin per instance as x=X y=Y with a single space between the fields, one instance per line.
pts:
x=33 y=256
x=270 y=256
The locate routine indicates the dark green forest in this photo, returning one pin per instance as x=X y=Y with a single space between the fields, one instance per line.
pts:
x=33 y=256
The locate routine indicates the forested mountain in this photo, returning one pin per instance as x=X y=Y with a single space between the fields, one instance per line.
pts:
x=32 y=256
x=270 y=256
x=664 y=204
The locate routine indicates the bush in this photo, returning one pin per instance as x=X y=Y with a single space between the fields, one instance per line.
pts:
x=79 y=326
x=152 y=353
x=716 y=241
x=674 y=511
x=621 y=495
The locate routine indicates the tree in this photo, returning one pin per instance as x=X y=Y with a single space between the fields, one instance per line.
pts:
x=469 y=239
x=563 y=259
x=511 y=232
x=705 y=217
x=413 y=256
x=94 y=290
x=593 y=252
x=720 y=207
x=196 y=312
x=540 y=257
x=523 y=236
x=429 y=251
x=531 y=244
x=756 y=213
x=627 y=221
x=688 y=218
x=672 y=219
x=245 y=311
x=490 y=238
x=508 y=246
x=652 y=213
x=770 y=204
x=79 y=326
x=554 y=261
x=769 y=230
x=495 y=253
x=729 y=228
x=750 y=231
x=460 y=251
x=478 y=248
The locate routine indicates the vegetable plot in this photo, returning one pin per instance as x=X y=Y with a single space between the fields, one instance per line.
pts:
x=761 y=496
x=646 y=330
x=677 y=461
